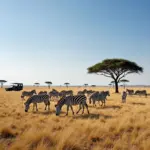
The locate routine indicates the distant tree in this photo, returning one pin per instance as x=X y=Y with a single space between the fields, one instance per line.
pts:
x=109 y=85
x=112 y=83
x=36 y=84
x=85 y=84
x=2 y=82
x=124 y=81
x=93 y=85
x=49 y=84
x=115 y=69
x=66 y=84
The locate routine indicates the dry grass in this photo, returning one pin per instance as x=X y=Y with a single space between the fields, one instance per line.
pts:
x=117 y=126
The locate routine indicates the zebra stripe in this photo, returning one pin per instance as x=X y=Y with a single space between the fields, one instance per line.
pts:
x=130 y=92
x=54 y=94
x=27 y=93
x=99 y=96
x=37 y=99
x=42 y=92
x=66 y=93
x=72 y=100
x=142 y=92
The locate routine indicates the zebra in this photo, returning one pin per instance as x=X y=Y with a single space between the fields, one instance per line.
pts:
x=99 y=96
x=130 y=92
x=37 y=99
x=54 y=90
x=107 y=93
x=54 y=94
x=72 y=100
x=89 y=92
x=27 y=93
x=141 y=92
x=42 y=92
x=66 y=93
x=81 y=93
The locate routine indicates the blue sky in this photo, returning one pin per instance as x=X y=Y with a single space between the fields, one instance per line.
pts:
x=58 y=40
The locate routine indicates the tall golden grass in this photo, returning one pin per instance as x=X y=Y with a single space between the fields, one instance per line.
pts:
x=116 y=126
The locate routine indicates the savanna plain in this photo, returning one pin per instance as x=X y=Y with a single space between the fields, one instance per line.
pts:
x=117 y=126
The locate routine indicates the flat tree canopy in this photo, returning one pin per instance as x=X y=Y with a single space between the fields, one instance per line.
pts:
x=115 y=69
x=48 y=83
x=67 y=84
x=124 y=81
x=36 y=83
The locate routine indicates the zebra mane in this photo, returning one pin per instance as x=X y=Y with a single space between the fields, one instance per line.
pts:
x=61 y=101
x=29 y=101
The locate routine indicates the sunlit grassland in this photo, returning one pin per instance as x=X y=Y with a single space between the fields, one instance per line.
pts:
x=116 y=126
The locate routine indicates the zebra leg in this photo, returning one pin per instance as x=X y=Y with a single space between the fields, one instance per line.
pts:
x=102 y=102
x=33 y=107
x=87 y=108
x=82 y=109
x=36 y=107
x=72 y=110
x=79 y=109
x=45 y=106
x=48 y=105
x=67 y=110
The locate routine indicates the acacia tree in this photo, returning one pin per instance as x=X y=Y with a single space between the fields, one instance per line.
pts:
x=112 y=83
x=2 y=82
x=124 y=81
x=36 y=84
x=85 y=84
x=109 y=85
x=49 y=84
x=66 y=84
x=115 y=69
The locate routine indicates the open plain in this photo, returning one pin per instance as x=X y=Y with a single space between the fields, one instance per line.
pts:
x=117 y=126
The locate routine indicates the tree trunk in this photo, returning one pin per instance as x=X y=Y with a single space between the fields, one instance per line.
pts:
x=116 y=87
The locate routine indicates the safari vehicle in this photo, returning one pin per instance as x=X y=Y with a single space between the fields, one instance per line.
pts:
x=15 y=87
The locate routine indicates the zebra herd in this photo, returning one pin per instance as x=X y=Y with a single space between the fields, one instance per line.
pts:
x=137 y=92
x=66 y=98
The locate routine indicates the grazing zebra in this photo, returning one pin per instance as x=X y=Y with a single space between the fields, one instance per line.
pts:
x=27 y=93
x=89 y=92
x=99 y=96
x=130 y=92
x=66 y=93
x=54 y=90
x=42 y=92
x=141 y=92
x=107 y=93
x=54 y=93
x=80 y=93
x=72 y=100
x=37 y=99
